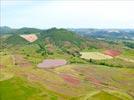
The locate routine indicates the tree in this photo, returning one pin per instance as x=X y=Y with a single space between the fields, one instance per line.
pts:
x=43 y=49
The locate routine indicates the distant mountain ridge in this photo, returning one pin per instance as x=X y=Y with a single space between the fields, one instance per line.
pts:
x=63 y=39
x=24 y=30
x=6 y=30
x=66 y=40
x=106 y=33
x=87 y=32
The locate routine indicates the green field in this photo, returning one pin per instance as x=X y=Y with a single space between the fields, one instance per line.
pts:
x=30 y=83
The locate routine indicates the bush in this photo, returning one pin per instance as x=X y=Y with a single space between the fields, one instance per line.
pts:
x=76 y=60
x=27 y=55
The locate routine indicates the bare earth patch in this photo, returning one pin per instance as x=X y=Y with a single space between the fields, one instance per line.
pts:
x=20 y=61
x=52 y=63
x=70 y=79
x=112 y=53
x=29 y=37
x=94 y=80
x=1 y=66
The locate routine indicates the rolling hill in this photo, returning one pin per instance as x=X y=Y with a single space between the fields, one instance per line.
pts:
x=88 y=77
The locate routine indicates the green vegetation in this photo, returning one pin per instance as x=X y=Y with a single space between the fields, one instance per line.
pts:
x=129 y=44
x=16 y=89
x=105 y=95
x=16 y=40
x=80 y=79
x=115 y=62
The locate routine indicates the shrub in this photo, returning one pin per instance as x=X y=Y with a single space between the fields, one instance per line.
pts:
x=76 y=60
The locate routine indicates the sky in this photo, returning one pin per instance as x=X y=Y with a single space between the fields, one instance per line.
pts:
x=67 y=13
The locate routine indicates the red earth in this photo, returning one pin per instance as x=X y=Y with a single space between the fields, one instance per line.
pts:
x=1 y=66
x=20 y=61
x=94 y=80
x=112 y=53
x=30 y=37
x=52 y=63
x=70 y=79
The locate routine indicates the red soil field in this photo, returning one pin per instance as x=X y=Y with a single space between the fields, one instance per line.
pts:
x=1 y=66
x=20 y=61
x=70 y=79
x=30 y=37
x=52 y=63
x=112 y=53
x=94 y=80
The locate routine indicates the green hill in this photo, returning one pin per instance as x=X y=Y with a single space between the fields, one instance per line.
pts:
x=59 y=38
x=61 y=35
x=79 y=79
x=15 y=40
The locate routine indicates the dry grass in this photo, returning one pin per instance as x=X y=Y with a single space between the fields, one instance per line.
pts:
x=94 y=55
x=5 y=76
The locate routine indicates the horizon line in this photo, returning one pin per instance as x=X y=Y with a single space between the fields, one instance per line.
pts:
x=66 y=27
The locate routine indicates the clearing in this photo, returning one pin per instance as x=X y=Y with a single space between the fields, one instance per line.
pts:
x=29 y=37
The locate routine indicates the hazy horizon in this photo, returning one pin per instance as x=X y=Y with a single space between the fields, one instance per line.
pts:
x=66 y=28
x=67 y=14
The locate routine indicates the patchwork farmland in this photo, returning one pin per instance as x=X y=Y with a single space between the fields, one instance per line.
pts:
x=57 y=66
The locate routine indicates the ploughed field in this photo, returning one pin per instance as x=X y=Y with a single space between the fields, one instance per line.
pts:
x=29 y=37
x=26 y=81
x=112 y=53
x=52 y=63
